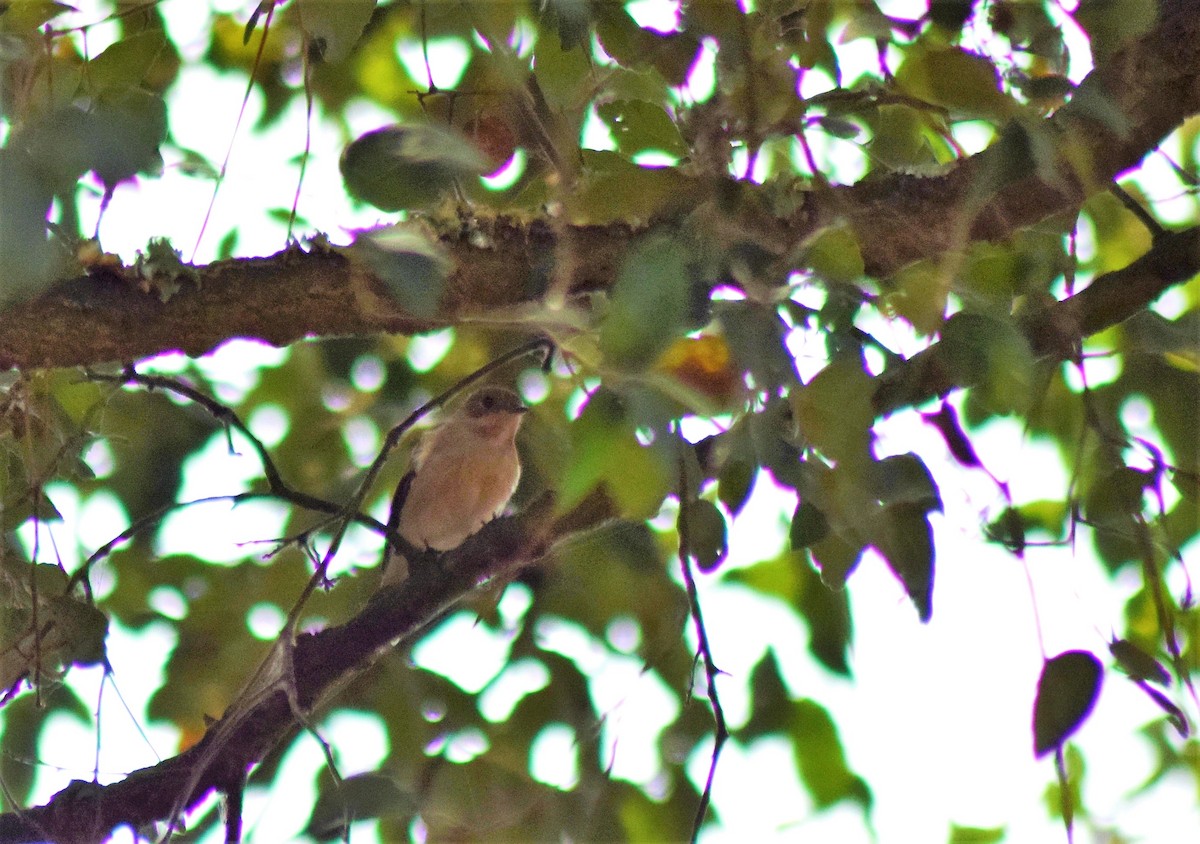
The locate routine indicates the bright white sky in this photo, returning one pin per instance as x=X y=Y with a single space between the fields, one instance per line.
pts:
x=937 y=720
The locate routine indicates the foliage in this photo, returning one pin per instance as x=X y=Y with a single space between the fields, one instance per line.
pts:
x=741 y=287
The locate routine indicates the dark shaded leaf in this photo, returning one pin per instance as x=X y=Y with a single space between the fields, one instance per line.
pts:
x=1066 y=693
x=706 y=533
x=1137 y=663
x=1174 y=713
x=756 y=336
x=905 y=540
x=771 y=703
x=734 y=484
x=809 y=526
x=836 y=558
x=904 y=479
x=356 y=798
x=946 y=422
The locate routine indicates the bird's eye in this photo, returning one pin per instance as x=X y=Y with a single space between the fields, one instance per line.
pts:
x=488 y=402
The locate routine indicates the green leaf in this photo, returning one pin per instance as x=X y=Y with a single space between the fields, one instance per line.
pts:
x=905 y=539
x=976 y=835
x=904 y=479
x=126 y=129
x=834 y=256
x=125 y=63
x=771 y=703
x=411 y=264
x=26 y=260
x=756 y=335
x=836 y=558
x=26 y=16
x=408 y=166
x=963 y=82
x=809 y=526
x=638 y=125
x=335 y=25
x=1137 y=663
x=1066 y=693
x=735 y=483
x=649 y=306
x=356 y=798
x=992 y=356
x=827 y=613
x=614 y=189
x=572 y=19
x=835 y=413
x=707 y=533
x=821 y=759
x=606 y=452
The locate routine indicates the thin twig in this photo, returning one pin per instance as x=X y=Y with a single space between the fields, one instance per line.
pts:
x=704 y=648
x=1134 y=207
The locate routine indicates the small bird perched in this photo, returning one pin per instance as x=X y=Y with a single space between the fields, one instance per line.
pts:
x=462 y=474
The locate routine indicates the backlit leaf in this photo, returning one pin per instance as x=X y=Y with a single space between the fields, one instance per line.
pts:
x=649 y=304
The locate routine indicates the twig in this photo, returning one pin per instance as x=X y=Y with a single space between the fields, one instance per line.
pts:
x=704 y=649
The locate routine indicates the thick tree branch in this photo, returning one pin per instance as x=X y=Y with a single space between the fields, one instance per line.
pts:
x=1057 y=332
x=324 y=663
x=1119 y=113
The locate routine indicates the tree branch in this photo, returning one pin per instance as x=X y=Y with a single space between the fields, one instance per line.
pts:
x=1056 y=332
x=1121 y=111
x=325 y=661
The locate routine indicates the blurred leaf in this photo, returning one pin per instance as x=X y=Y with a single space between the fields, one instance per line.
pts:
x=735 y=483
x=834 y=411
x=25 y=16
x=412 y=265
x=125 y=63
x=356 y=798
x=756 y=337
x=771 y=703
x=821 y=760
x=905 y=479
x=649 y=303
x=707 y=539
x=920 y=296
x=992 y=356
x=947 y=424
x=834 y=256
x=606 y=451
x=966 y=83
x=638 y=125
x=827 y=613
x=836 y=558
x=1174 y=714
x=905 y=540
x=808 y=526
x=572 y=19
x=1137 y=663
x=975 y=835
x=614 y=189
x=408 y=166
x=1066 y=692
x=335 y=25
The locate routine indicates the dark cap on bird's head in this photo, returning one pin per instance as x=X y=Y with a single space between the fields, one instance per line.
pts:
x=491 y=400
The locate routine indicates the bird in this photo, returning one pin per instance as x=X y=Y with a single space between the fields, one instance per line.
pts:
x=461 y=476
